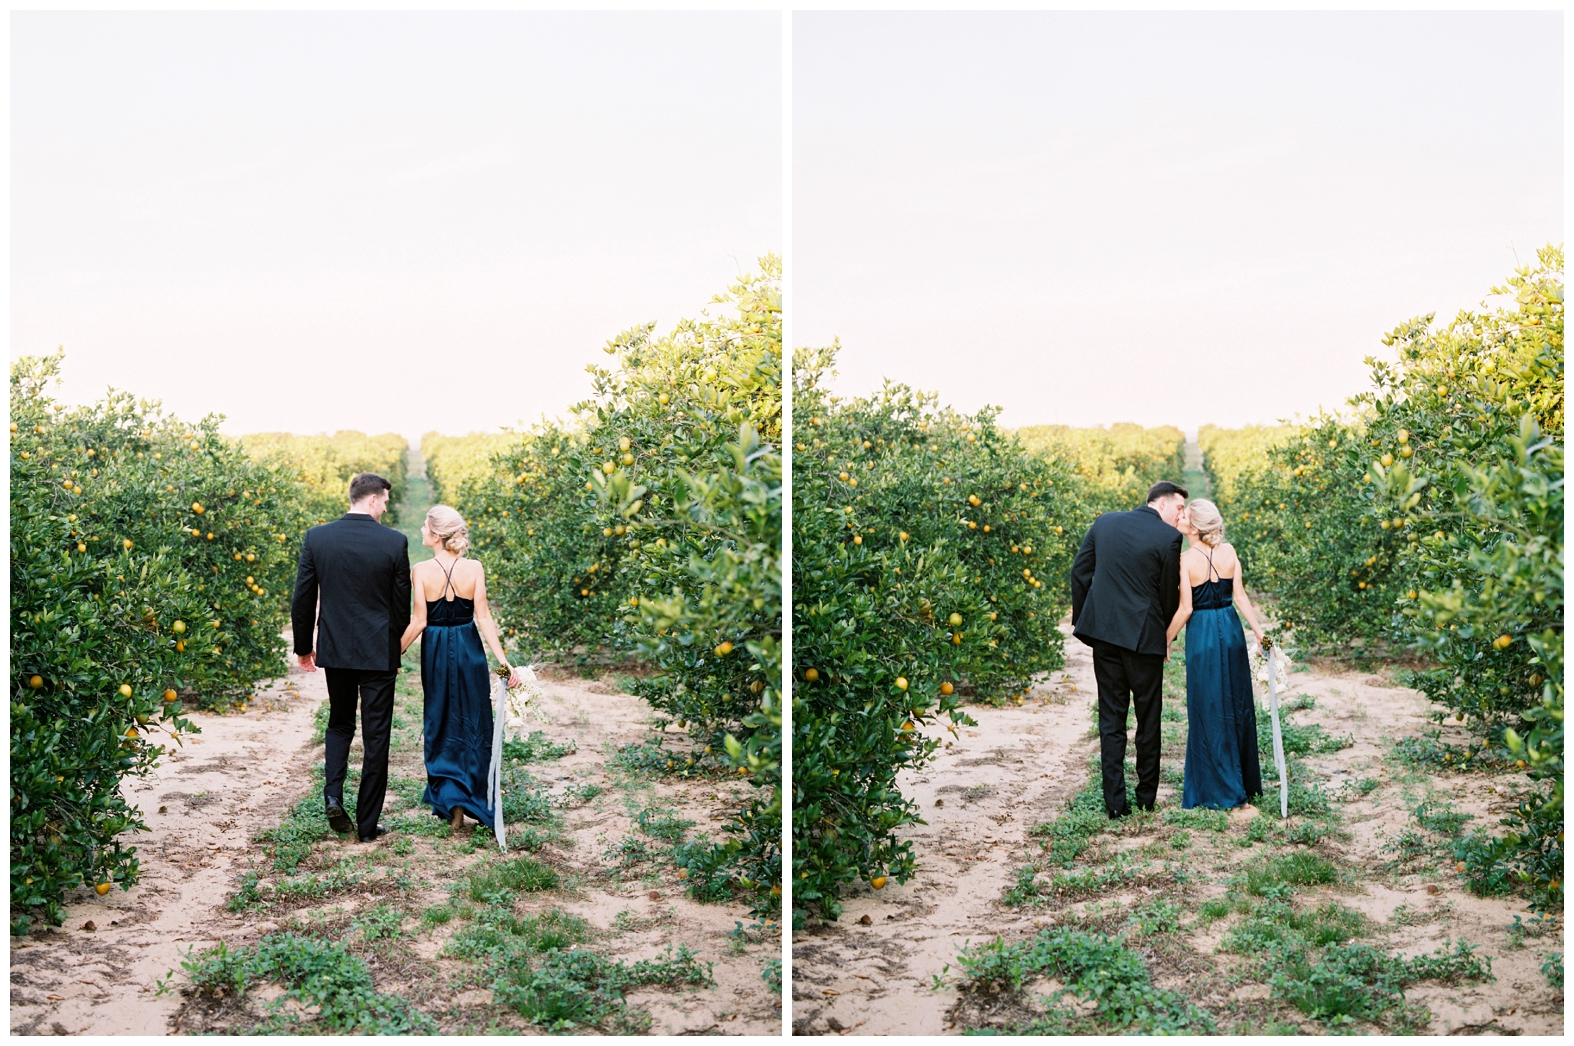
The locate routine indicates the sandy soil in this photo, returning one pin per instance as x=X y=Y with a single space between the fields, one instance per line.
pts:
x=874 y=971
x=206 y=801
x=203 y=802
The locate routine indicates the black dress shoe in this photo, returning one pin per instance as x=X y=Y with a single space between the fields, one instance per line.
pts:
x=376 y=833
x=338 y=820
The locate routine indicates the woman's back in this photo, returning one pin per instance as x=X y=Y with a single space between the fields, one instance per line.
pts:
x=444 y=587
x=1210 y=574
x=436 y=583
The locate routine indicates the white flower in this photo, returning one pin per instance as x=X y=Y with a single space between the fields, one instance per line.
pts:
x=522 y=703
x=1281 y=663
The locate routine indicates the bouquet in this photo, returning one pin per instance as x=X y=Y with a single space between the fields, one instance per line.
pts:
x=520 y=703
x=1281 y=665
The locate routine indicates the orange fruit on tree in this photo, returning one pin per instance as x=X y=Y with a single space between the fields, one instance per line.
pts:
x=901 y=682
x=878 y=882
x=170 y=695
x=947 y=689
x=723 y=649
x=35 y=682
x=812 y=674
x=102 y=889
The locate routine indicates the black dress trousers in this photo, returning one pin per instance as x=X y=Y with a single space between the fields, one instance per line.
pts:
x=1125 y=677
x=375 y=693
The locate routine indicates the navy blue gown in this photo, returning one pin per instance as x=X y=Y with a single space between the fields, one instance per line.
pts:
x=458 y=709
x=1221 y=741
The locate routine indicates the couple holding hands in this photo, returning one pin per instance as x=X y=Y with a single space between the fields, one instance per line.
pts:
x=353 y=617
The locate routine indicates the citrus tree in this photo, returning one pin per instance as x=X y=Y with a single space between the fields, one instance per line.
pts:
x=1315 y=534
x=649 y=527
x=1476 y=409
x=1117 y=464
x=324 y=466
x=1226 y=453
x=452 y=461
x=143 y=554
x=1431 y=518
x=930 y=560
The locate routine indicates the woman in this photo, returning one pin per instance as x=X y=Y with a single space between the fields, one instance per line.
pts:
x=449 y=607
x=1222 y=771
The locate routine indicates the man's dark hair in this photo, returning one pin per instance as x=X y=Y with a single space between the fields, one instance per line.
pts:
x=1163 y=489
x=365 y=484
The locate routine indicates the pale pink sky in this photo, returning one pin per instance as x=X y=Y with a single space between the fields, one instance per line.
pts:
x=1160 y=217
x=384 y=221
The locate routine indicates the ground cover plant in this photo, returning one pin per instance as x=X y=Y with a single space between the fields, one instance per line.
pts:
x=354 y=928
x=1130 y=900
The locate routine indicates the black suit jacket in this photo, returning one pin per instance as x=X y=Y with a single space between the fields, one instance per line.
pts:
x=1125 y=581
x=362 y=570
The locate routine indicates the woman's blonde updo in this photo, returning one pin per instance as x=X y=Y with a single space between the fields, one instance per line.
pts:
x=448 y=527
x=1210 y=525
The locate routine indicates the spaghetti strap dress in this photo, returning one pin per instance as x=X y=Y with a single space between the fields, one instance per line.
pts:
x=1222 y=770
x=458 y=708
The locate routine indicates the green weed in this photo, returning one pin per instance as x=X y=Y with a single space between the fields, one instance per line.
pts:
x=1199 y=818
x=314 y=973
x=495 y=934
x=1298 y=739
x=1275 y=878
x=1437 y=814
x=537 y=748
x=662 y=824
x=1356 y=982
x=380 y=923
x=291 y=841
x=1211 y=911
x=1092 y=968
x=1157 y=917
x=499 y=882
x=581 y=989
x=1067 y=835
x=248 y=896
x=1277 y=922
x=341 y=877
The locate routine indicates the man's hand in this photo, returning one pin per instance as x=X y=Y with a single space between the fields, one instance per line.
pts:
x=309 y=662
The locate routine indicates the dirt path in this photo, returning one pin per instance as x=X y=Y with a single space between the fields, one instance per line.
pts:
x=203 y=803
x=874 y=971
x=245 y=772
x=1002 y=777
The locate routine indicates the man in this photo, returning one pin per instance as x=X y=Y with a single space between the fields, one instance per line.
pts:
x=362 y=571
x=1125 y=588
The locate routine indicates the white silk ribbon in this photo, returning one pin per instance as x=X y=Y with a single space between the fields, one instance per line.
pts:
x=1278 y=736
x=494 y=770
